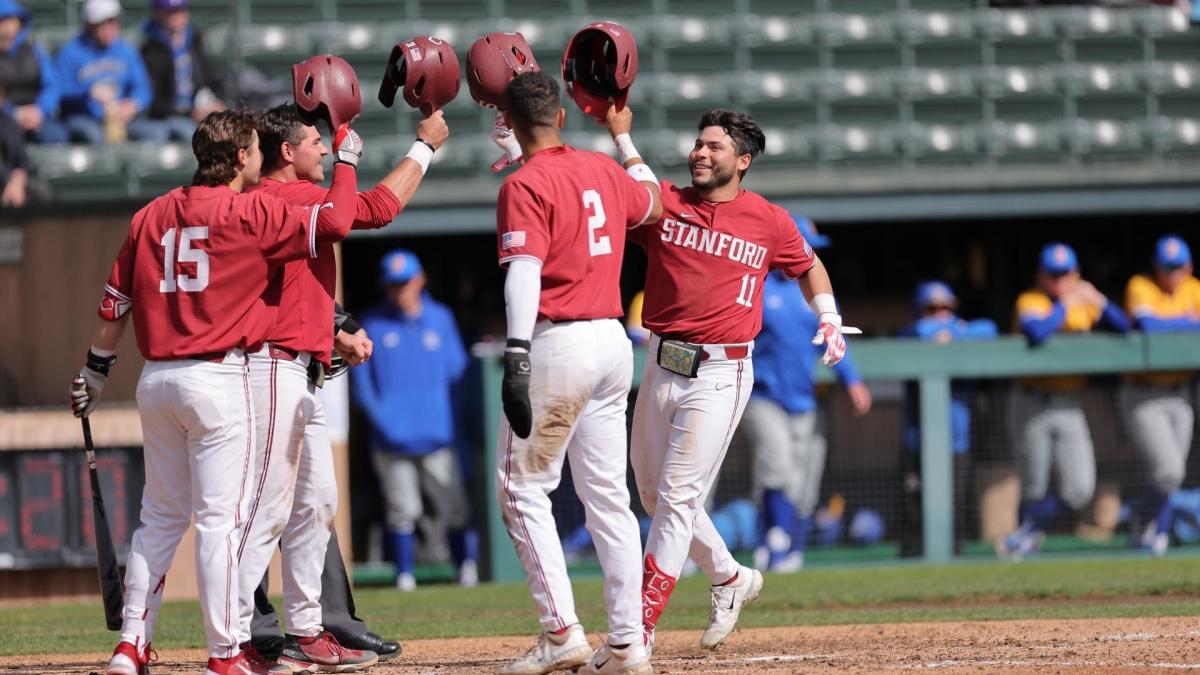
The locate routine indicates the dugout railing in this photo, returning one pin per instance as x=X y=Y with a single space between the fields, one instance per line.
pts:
x=933 y=367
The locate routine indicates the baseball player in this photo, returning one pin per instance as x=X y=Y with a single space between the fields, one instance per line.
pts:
x=561 y=220
x=1048 y=424
x=407 y=392
x=1157 y=407
x=296 y=486
x=193 y=271
x=708 y=259
x=934 y=309
x=781 y=425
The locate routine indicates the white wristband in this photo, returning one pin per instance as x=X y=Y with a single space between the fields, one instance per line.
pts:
x=625 y=149
x=102 y=353
x=823 y=303
x=642 y=173
x=421 y=154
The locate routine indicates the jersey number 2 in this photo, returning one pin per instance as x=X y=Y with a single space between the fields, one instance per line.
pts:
x=598 y=244
x=170 y=281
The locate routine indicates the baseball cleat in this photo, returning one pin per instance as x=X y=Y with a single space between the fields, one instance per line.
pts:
x=1021 y=544
x=632 y=659
x=235 y=665
x=553 y=652
x=127 y=661
x=727 y=604
x=256 y=659
x=321 y=652
x=371 y=642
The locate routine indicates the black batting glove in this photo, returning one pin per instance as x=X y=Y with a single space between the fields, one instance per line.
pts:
x=514 y=389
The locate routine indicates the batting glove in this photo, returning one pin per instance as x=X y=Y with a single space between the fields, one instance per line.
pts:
x=89 y=384
x=347 y=145
x=504 y=138
x=514 y=388
x=829 y=333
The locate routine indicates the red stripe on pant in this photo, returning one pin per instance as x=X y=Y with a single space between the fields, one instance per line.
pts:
x=537 y=561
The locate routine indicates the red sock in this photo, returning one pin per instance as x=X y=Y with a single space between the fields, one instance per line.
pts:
x=730 y=580
x=656 y=591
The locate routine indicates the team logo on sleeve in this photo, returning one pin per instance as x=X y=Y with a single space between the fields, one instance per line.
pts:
x=514 y=239
x=807 y=249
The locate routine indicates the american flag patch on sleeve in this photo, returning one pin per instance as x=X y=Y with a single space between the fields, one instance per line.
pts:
x=512 y=240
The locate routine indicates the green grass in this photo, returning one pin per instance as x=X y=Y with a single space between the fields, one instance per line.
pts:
x=1122 y=587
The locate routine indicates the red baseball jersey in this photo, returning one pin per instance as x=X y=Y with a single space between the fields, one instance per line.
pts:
x=195 y=266
x=568 y=210
x=707 y=262
x=304 y=322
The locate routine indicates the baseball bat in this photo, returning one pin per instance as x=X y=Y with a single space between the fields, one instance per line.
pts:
x=111 y=587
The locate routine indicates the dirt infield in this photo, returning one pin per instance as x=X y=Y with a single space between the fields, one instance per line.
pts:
x=1091 y=646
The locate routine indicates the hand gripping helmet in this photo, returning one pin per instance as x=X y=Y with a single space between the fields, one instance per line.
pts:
x=600 y=65
x=428 y=70
x=492 y=62
x=326 y=88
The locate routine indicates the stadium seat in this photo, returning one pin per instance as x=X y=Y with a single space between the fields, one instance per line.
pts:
x=843 y=29
x=369 y=11
x=1079 y=22
x=755 y=30
x=349 y=37
x=1094 y=78
x=917 y=27
x=1023 y=140
x=1016 y=81
x=858 y=144
x=927 y=83
x=1015 y=24
x=1159 y=77
x=52 y=13
x=286 y=11
x=1177 y=136
x=154 y=168
x=80 y=173
x=789 y=146
x=1099 y=137
x=838 y=85
x=937 y=143
x=769 y=86
x=453 y=10
x=947 y=110
x=1157 y=21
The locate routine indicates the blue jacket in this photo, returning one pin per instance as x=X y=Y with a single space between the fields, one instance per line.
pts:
x=47 y=97
x=785 y=359
x=937 y=329
x=406 y=388
x=82 y=63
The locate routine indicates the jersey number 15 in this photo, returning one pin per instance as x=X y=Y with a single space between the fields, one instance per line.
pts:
x=172 y=282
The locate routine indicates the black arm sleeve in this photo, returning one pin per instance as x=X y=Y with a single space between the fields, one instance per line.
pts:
x=342 y=321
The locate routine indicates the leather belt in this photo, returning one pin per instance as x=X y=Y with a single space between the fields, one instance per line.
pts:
x=282 y=353
x=732 y=352
x=211 y=357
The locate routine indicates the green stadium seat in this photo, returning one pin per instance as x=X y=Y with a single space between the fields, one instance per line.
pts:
x=785 y=57
x=155 y=169
x=841 y=85
x=768 y=86
x=51 y=13
x=286 y=11
x=844 y=29
x=927 y=83
x=1162 y=77
x=1017 y=81
x=858 y=144
x=690 y=30
x=80 y=173
x=1023 y=140
x=942 y=143
x=704 y=7
x=918 y=27
x=797 y=7
x=947 y=54
x=756 y=30
x=369 y=11
x=1129 y=106
x=1092 y=137
x=789 y=146
x=1159 y=21
x=1079 y=22
x=454 y=10
x=1015 y=24
x=947 y=110
x=1094 y=78
x=784 y=115
x=547 y=38
x=1176 y=136
x=351 y=37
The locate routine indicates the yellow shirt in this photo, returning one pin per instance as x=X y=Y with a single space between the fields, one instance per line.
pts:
x=1034 y=304
x=1144 y=298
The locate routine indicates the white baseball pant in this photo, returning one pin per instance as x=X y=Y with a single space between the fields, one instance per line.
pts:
x=1159 y=420
x=293 y=492
x=789 y=452
x=198 y=438
x=405 y=477
x=1051 y=431
x=579 y=386
x=681 y=430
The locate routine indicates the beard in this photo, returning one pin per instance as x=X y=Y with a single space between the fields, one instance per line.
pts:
x=717 y=177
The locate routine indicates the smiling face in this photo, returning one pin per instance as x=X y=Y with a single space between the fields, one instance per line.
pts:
x=306 y=155
x=714 y=161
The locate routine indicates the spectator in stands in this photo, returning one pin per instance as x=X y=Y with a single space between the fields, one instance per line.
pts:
x=407 y=392
x=935 y=308
x=104 y=85
x=29 y=78
x=781 y=425
x=185 y=89
x=14 y=163
x=1047 y=420
x=1157 y=407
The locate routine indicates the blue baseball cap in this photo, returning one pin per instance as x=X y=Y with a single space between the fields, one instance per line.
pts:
x=1058 y=258
x=936 y=293
x=399 y=267
x=170 y=4
x=1171 y=252
x=809 y=232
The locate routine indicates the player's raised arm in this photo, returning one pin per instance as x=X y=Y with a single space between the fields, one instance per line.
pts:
x=620 y=124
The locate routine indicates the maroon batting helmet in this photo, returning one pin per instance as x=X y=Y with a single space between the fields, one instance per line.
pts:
x=326 y=88
x=428 y=70
x=492 y=62
x=600 y=65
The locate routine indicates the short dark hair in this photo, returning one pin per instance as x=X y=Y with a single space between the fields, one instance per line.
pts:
x=279 y=125
x=532 y=100
x=747 y=136
x=216 y=143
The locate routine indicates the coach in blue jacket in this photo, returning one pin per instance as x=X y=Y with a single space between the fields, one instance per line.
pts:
x=102 y=79
x=406 y=390
x=780 y=423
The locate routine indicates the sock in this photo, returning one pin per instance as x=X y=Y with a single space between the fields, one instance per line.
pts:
x=730 y=580
x=1037 y=514
x=403 y=544
x=800 y=532
x=656 y=591
x=780 y=517
x=1165 y=515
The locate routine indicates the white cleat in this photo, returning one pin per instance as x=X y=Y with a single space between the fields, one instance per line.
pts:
x=727 y=604
x=406 y=582
x=553 y=652
x=631 y=660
